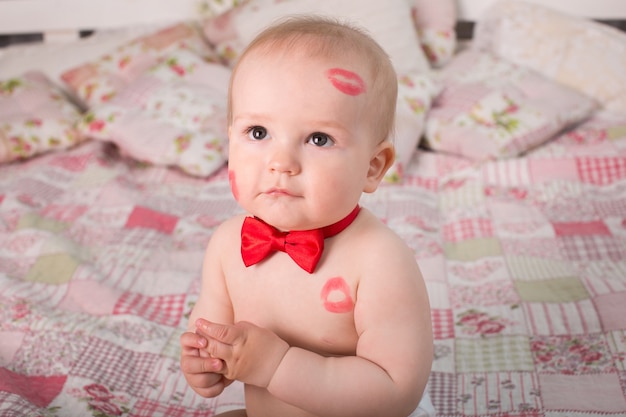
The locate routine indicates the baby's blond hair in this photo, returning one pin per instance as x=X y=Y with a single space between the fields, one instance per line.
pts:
x=328 y=38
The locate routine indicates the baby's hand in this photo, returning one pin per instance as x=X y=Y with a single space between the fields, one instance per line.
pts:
x=250 y=353
x=202 y=372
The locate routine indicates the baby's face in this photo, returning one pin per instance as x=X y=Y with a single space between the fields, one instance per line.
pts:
x=300 y=138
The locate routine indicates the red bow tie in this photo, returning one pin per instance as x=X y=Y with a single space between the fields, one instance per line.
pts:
x=305 y=247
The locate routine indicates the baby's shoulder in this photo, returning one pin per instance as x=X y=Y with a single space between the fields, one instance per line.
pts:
x=228 y=230
x=373 y=233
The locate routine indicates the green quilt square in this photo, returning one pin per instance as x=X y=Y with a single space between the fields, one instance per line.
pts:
x=555 y=290
x=56 y=268
x=472 y=249
x=494 y=354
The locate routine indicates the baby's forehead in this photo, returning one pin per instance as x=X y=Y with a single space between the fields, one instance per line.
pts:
x=330 y=63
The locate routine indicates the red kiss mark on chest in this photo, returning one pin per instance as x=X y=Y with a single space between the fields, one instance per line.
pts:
x=346 y=81
x=336 y=296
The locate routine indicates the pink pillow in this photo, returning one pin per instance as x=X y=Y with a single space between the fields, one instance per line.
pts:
x=491 y=108
x=173 y=114
x=435 y=22
x=99 y=80
x=35 y=117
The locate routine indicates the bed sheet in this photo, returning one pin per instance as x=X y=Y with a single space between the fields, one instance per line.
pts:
x=524 y=259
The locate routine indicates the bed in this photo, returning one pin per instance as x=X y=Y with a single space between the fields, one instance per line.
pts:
x=510 y=187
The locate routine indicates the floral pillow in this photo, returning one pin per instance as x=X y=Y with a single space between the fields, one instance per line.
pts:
x=173 y=114
x=35 y=117
x=98 y=81
x=490 y=108
x=436 y=25
x=388 y=22
x=415 y=94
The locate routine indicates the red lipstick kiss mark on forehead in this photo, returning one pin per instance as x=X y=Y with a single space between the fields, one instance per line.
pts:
x=346 y=81
x=336 y=296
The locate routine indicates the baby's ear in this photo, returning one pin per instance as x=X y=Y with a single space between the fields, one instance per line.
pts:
x=381 y=161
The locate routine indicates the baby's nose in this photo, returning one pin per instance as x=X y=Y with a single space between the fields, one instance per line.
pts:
x=284 y=160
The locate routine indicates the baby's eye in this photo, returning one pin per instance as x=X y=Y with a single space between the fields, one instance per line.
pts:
x=320 y=139
x=257 y=132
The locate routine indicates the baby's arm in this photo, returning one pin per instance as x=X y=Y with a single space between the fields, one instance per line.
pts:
x=203 y=373
x=394 y=352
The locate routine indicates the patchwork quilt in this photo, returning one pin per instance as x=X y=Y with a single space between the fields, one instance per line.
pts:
x=524 y=259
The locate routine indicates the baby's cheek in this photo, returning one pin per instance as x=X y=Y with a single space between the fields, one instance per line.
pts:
x=233 y=184
x=336 y=296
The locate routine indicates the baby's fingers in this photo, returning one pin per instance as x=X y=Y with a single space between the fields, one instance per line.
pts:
x=227 y=334
x=191 y=342
x=197 y=365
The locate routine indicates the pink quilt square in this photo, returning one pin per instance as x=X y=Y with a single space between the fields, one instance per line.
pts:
x=597 y=227
x=10 y=342
x=611 y=310
x=595 y=393
x=552 y=169
x=165 y=309
x=601 y=171
x=80 y=297
x=143 y=217
x=39 y=390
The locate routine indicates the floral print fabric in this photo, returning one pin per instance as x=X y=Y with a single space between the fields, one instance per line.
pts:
x=491 y=108
x=35 y=117
x=160 y=98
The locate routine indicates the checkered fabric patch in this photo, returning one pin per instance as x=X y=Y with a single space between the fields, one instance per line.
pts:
x=75 y=163
x=443 y=393
x=165 y=309
x=593 y=248
x=443 y=323
x=12 y=405
x=492 y=354
x=34 y=192
x=115 y=367
x=467 y=229
x=601 y=171
x=150 y=408
x=606 y=208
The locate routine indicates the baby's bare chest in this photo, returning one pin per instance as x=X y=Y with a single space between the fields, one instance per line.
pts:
x=312 y=311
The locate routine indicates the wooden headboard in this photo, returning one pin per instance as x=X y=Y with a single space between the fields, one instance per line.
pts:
x=66 y=18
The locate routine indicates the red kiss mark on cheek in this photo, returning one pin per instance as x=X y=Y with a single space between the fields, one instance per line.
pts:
x=233 y=184
x=336 y=296
x=346 y=81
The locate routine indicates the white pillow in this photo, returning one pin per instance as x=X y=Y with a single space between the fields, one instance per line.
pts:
x=582 y=54
x=389 y=23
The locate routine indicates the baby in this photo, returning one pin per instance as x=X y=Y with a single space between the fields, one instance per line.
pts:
x=309 y=300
